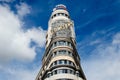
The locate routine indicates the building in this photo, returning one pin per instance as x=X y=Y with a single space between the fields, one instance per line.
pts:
x=61 y=60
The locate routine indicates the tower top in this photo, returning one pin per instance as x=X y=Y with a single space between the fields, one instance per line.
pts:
x=60 y=6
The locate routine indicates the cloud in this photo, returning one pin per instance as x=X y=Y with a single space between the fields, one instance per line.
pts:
x=14 y=41
x=17 y=72
x=104 y=63
x=37 y=35
x=95 y=42
x=15 y=44
x=116 y=39
x=23 y=9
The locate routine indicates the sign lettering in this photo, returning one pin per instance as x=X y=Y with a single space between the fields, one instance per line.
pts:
x=61 y=27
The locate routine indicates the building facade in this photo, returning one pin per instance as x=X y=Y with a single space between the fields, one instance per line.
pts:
x=61 y=60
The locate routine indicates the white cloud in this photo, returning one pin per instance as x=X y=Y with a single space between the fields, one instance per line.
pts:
x=18 y=73
x=117 y=39
x=23 y=9
x=37 y=35
x=95 y=42
x=105 y=61
x=14 y=42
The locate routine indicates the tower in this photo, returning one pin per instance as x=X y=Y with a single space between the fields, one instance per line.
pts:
x=61 y=60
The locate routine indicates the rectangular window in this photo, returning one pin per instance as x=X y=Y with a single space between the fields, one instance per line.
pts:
x=55 y=44
x=55 y=72
x=65 y=61
x=70 y=62
x=55 y=63
x=60 y=61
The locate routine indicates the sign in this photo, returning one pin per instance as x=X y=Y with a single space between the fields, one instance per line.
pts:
x=61 y=27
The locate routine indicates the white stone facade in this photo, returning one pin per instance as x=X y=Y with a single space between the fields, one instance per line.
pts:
x=61 y=60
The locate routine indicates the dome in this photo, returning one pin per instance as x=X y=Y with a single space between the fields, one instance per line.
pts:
x=60 y=6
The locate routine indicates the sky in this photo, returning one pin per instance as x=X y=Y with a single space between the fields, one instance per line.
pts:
x=23 y=26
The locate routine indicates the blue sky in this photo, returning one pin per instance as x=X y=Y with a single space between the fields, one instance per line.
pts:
x=23 y=26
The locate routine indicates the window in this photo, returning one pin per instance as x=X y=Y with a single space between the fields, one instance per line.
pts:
x=54 y=15
x=62 y=62
x=77 y=74
x=48 y=75
x=61 y=43
x=69 y=44
x=65 y=61
x=62 y=14
x=55 y=63
x=66 y=15
x=62 y=52
x=69 y=53
x=69 y=62
x=71 y=72
x=55 y=44
x=62 y=71
x=58 y=14
x=54 y=54
x=55 y=72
